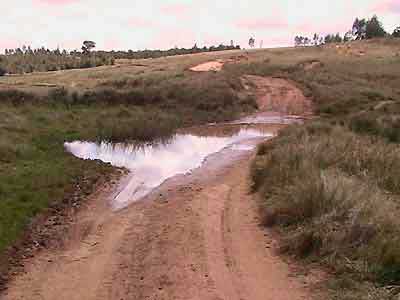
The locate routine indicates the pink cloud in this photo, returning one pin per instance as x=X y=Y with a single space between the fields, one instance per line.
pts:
x=112 y=44
x=169 y=38
x=140 y=22
x=9 y=44
x=388 y=6
x=55 y=2
x=262 y=24
x=210 y=39
x=176 y=10
x=307 y=28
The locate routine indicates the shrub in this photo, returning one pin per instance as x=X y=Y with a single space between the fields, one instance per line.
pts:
x=138 y=126
x=16 y=97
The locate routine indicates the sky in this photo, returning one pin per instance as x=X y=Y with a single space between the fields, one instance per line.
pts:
x=164 y=24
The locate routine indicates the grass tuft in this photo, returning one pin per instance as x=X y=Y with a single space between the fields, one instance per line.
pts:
x=334 y=196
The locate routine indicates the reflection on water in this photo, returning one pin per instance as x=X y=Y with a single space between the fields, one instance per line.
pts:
x=151 y=165
x=269 y=118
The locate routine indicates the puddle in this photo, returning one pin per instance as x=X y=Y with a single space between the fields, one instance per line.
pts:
x=269 y=118
x=151 y=165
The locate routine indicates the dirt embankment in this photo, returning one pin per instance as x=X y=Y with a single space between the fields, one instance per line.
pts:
x=197 y=237
x=278 y=95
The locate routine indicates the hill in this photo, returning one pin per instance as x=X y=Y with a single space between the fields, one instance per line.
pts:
x=330 y=187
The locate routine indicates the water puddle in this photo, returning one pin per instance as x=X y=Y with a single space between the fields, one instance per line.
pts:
x=269 y=118
x=151 y=165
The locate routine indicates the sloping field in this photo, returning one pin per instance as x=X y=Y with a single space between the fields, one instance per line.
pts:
x=329 y=187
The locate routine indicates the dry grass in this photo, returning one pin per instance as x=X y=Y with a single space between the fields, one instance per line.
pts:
x=335 y=197
x=88 y=79
x=332 y=187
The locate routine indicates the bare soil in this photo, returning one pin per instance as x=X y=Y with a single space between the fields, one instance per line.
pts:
x=215 y=66
x=278 y=95
x=198 y=236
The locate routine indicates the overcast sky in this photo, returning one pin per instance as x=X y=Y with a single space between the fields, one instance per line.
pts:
x=131 y=24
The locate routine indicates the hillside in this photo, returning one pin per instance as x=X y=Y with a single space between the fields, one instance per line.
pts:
x=330 y=187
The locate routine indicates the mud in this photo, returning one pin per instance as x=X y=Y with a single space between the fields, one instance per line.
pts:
x=150 y=165
x=197 y=235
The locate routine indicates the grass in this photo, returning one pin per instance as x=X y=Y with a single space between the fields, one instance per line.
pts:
x=334 y=195
x=35 y=171
x=331 y=187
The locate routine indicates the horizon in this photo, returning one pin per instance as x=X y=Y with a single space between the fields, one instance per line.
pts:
x=65 y=24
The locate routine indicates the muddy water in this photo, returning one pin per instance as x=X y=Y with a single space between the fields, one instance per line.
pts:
x=269 y=118
x=151 y=165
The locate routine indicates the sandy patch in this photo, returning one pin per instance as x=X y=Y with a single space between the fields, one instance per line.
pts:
x=211 y=66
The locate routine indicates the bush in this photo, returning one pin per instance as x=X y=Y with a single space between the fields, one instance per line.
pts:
x=139 y=127
x=60 y=95
x=16 y=97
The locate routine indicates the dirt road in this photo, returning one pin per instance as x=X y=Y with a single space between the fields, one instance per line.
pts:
x=196 y=237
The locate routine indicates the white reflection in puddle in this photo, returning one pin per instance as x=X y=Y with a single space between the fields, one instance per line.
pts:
x=151 y=165
x=269 y=118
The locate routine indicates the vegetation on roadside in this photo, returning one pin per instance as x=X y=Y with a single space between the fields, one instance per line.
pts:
x=35 y=169
x=331 y=186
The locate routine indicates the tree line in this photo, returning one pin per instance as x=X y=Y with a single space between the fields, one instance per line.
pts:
x=27 y=60
x=143 y=54
x=360 y=30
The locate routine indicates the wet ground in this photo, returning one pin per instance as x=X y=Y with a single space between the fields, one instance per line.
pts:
x=152 y=164
x=196 y=233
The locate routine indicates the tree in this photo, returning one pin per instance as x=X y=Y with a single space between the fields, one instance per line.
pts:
x=303 y=41
x=374 y=28
x=359 y=28
x=316 y=39
x=396 y=32
x=88 y=46
x=297 y=41
x=333 y=38
x=348 y=36
x=338 y=38
x=252 y=42
x=327 y=39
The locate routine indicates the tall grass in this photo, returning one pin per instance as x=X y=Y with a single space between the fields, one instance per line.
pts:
x=140 y=126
